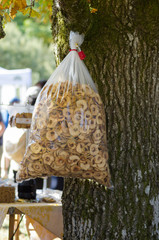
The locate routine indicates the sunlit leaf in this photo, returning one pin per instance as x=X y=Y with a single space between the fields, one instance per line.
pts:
x=6 y=3
x=25 y=11
x=34 y=13
x=40 y=9
x=13 y=13
x=19 y=5
x=93 y=10
x=7 y=17
x=24 y=4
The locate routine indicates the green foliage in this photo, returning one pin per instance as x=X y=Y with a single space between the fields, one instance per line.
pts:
x=18 y=50
x=33 y=27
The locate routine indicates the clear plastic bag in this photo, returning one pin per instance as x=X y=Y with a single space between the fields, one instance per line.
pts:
x=68 y=130
x=14 y=138
x=14 y=143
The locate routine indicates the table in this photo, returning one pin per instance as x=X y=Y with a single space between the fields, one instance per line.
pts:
x=49 y=215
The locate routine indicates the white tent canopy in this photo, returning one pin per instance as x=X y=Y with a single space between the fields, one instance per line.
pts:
x=20 y=77
x=11 y=81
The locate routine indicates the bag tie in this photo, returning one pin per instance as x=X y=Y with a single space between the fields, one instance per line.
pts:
x=80 y=53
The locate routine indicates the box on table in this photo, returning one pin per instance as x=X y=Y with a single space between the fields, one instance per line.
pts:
x=7 y=194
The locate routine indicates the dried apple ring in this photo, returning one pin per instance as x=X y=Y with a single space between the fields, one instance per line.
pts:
x=47 y=158
x=34 y=156
x=52 y=121
x=71 y=144
x=78 y=115
x=94 y=149
x=99 y=119
x=75 y=169
x=36 y=166
x=63 y=154
x=35 y=147
x=94 y=109
x=51 y=135
x=84 y=129
x=51 y=146
x=93 y=163
x=80 y=147
x=88 y=90
x=62 y=102
x=98 y=159
x=68 y=113
x=87 y=174
x=79 y=92
x=97 y=135
x=82 y=104
x=102 y=163
x=92 y=123
x=74 y=130
x=88 y=115
x=85 y=165
x=73 y=159
x=59 y=163
x=97 y=175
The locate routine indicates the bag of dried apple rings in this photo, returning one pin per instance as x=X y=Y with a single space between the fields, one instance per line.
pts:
x=68 y=129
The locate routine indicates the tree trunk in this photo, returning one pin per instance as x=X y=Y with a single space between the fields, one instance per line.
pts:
x=2 y=33
x=122 y=54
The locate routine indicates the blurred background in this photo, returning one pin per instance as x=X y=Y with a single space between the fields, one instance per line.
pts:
x=26 y=56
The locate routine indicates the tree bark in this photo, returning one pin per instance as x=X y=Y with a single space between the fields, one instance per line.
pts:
x=2 y=33
x=122 y=54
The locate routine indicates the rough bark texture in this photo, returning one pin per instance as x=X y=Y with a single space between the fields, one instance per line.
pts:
x=122 y=49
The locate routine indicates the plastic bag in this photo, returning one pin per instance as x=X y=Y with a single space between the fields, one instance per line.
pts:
x=15 y=135
x=14 y=143
x=68 y=130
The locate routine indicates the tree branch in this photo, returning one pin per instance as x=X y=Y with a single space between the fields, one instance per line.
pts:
x=2 y=33
x=78 y=16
